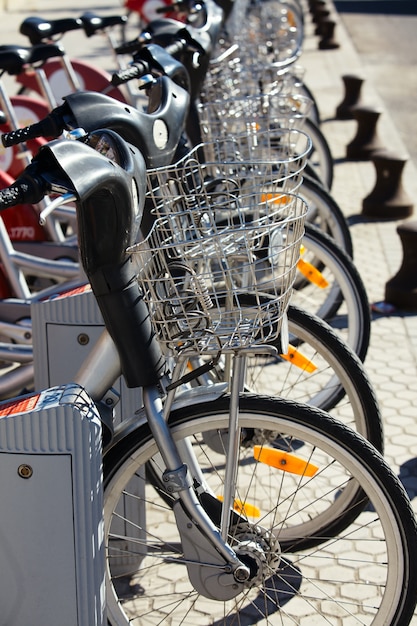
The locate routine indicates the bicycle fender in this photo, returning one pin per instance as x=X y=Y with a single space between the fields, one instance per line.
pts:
x=199 y=395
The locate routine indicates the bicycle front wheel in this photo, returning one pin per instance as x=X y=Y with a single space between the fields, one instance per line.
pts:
x=321 y=158
x=335 y=292
x=323 y=522
x=325 y=213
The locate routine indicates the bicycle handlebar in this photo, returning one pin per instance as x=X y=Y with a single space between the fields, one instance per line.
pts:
x=107 y=178
x=140 y=68
x=159 y=56
x=28 y=188
x=168 y=104
x=51 y=126
x=135 y=70
x=153 y=58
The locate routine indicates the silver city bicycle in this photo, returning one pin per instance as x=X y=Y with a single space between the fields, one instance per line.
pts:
x=220 y=507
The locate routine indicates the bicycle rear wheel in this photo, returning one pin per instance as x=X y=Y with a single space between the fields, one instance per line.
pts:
x=290 y=528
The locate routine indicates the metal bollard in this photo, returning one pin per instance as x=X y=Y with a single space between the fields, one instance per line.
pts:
x=401 y=290
x=320 y=14
x=328 y=40
x=320 y=17
x=366 y=141
x=352 y=97
x=388 y=199
x=316 y=4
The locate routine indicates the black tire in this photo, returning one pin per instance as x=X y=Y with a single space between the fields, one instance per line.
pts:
x=343 y=303
x=318 y=368
x=325 y=213
x=321 y=158
x=339 y=383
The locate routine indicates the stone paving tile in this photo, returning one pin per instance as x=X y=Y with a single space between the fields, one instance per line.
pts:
x=392 y=357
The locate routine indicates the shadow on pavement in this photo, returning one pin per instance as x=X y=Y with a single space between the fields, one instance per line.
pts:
x=408 y=477
x=278 y=590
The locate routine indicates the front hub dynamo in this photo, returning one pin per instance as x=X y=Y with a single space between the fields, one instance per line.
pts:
x=257 y=548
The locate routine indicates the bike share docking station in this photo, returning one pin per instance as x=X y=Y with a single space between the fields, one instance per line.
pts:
x=65 y=329
x=51 y=519
x=51 y=529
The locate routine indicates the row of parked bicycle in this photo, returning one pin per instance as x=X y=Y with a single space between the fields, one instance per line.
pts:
x=191 y=191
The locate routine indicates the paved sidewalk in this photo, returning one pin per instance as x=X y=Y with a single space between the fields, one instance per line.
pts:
x=392 y=357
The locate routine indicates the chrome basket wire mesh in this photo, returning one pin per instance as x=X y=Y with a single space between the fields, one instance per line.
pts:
x=267 y=30
x=272 y=32
x=281 y=152
x=259 y=53
x=252 y=113
x=230 y=73
x=219 y=261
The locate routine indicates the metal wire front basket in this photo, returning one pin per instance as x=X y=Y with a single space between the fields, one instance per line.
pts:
x=257 y=55
x=255 y=113
x=235 y=76
x=218 y=263
x=280 y=154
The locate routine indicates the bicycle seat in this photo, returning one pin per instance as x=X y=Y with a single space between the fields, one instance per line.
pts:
x=39 y=30
x=44 y=51
x=92 y=23
x=13 y=58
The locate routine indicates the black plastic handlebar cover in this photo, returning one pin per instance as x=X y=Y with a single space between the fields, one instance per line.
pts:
x=155 y=132
x=185 y=43
x=109 y=211
x=110 y=189
x=152 y=59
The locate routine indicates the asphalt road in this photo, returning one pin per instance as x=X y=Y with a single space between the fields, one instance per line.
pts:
x=384 y=33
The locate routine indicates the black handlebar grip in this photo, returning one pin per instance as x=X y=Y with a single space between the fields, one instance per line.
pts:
x=13 y=195
x=130 y=47
x=176 y=47
x=10 y=196
x=136 y=70
x=30 y=188
x=50 y=126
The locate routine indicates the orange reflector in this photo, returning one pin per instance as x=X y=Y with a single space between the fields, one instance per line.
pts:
x=284 y=461
x=299 y=360
x=275 y=199
x=244 y=508
x=312 y=274
x=291 y=19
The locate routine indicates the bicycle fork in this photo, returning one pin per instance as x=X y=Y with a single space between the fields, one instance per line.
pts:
x=214 y=568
